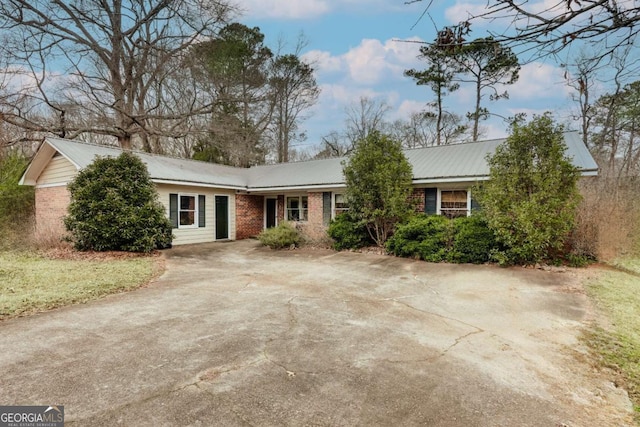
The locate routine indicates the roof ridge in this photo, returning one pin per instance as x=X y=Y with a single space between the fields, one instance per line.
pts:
x=135 y=151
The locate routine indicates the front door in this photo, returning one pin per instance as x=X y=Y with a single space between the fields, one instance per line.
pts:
x=271 y=213
x=222 y=217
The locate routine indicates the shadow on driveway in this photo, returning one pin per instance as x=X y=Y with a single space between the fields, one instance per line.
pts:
x=236 y=334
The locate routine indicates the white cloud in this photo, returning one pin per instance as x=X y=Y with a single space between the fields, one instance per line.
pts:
x=462 y=11
x=323 y=62
x=309 y=9
x=284 y=9
x=371 y=62
x=407 y=108
x=539 y=81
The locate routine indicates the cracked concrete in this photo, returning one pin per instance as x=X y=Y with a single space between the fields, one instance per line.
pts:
x=235 y=334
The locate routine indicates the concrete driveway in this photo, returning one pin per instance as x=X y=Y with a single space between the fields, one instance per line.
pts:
x=236 y=334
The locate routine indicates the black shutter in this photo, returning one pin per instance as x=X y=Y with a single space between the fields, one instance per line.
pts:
x=173 y=210
x=326 y=207
x=431 y=201
x=201 y=210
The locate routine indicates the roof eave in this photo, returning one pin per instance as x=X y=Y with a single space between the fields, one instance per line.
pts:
x=43 y=156
x=198 y=184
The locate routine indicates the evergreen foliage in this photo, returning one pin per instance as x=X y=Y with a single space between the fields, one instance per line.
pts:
x=348 y=232
x=16 y=201
x=434 y=238
x=473 y=241
x=378 y=178
x=531 y=197
x=424 y=237
x=114 y=206
x=284 y=235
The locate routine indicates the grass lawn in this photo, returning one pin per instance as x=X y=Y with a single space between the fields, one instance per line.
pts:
x=617 y=296
x=30 y=282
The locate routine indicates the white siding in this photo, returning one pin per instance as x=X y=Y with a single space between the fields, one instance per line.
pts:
x=58 y=171
x=201 y=234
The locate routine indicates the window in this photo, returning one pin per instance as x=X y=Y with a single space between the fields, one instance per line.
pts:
x=453 y=203
x=188 y=209
x=297 y=208
x=339 y=204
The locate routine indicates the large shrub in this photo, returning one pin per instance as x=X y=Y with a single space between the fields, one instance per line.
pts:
x=114 y=206
x=531 y=197
x=424 y=237
x=378 y=178
x=348 y=232
x=17 y=202
x=473 y=240
x=284 y=235
x=435 y=238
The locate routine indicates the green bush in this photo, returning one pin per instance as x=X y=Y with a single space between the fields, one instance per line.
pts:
x=114 y=206
x=424 y=237
x=284 y=235
x=348 y=232
x=531 y=196
x=473 y=240
x=16 y=201
x=378 y=178
x=435 y=238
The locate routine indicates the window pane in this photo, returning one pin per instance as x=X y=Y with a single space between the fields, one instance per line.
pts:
x=292 y=202
x=187 y=217
x=340 y=204
x=305 y=202
x=453 y=203
x=187 y=203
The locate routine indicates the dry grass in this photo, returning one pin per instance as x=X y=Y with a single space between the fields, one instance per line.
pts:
x=608 y=217
x=32 y=282
x=616 y=342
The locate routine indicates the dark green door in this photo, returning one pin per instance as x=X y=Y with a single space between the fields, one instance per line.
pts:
x=271 y=212
x=222 y=217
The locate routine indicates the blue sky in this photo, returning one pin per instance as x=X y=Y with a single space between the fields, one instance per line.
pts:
x=358 y=50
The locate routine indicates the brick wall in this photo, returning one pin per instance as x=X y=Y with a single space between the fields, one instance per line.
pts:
x=417 y=197
x=249 y=215
x=51 y=207
x=315 y=227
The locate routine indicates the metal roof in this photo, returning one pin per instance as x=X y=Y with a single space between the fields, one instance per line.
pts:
x=161 y=168
x=447 y=163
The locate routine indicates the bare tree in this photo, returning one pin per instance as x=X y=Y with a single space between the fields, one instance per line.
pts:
x=424 y=129
x=363 y=117
x=581 y=77
x=607 y=25
x=107 y=59
x=294 y=90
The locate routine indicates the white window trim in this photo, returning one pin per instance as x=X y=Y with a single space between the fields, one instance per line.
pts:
x=196 y=216
x=286 y=206
x=439 y=199
x=333 y=204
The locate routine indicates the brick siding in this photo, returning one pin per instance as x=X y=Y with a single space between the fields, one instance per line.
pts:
x=417 y=197
x=249 y=215
x=51 y=207
x=315 y=228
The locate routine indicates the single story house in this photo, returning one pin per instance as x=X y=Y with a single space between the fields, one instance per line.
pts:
x=208 y=202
